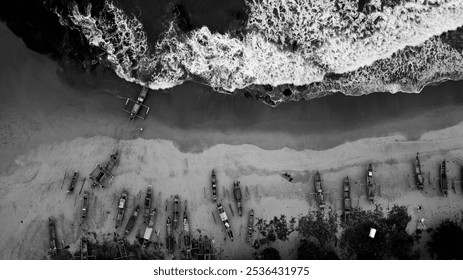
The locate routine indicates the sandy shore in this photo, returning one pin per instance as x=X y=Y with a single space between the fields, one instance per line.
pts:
x=47 y=128
x=32 y=192
x=38 y=107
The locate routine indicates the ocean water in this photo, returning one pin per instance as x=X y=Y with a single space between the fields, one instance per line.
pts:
x=45 y=101
x=313 y=48
x=194 y=115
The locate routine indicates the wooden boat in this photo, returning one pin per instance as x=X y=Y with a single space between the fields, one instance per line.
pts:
x=370 y=184
x=319 y=191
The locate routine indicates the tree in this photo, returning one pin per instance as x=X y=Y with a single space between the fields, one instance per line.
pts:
x=391 y=239
x=446 y=241
x=62 y=255
x=355 y=240
x=400 y=242
x=318 y=231
x=401 y=245
x=308 y=250
x=270 y=253
x=398 y=217
x=322 y=229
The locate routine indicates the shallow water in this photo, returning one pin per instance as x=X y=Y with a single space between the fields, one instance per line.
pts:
x=194 y=117
x=316 y=124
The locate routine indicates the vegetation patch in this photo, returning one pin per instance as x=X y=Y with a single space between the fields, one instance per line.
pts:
x=447 y=241
x=318 y=232
x=391 y=240
x=276 y=229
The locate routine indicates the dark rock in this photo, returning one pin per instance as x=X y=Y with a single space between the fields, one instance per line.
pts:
x=248 y=95
x=454 y=38
x=333 y=76
x=287 y=92
x=268 y=87
x=269 y=100
x=294 y=46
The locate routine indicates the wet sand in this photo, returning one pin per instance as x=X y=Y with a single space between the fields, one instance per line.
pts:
x=35 y=190
x=40 y=107
x=48 y=127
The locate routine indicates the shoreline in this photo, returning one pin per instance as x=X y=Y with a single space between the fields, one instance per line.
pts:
x=32 y=192
x=53 y=121
x=42 y=102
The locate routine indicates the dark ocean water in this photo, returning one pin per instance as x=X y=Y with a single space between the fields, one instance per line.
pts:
x=324 y=122
x=218 y=15
x=193 y=115
x=317 y=124
x=275 y=52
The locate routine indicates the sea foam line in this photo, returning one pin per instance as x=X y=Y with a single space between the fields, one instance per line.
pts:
x=294 y=42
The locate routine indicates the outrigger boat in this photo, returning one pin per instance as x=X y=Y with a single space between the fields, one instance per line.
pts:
x=419 y=178
x=186 y=232
x=370 y=184
x=319 y=191
x=101 y=172
x=461 y=176
x=132 y=220
x=84 y=210
x=238 y=197
x=150 y=227
x=226 y=223
x=347 y=199
x=176 y=211
x=121 y=208
x=250 y=226
x=84 y=248
x=52 y=234
x=443 y=179
x=135 y=108
x=74 y=179
x=147 y=206
x=169 y=236
x=214 y=186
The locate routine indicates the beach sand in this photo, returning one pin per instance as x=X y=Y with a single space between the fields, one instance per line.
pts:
x=43 y=102
x=32 y=192
x=48 y=128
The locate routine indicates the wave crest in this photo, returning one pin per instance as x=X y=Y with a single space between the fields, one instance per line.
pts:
x=376 y=47
x=341 y=38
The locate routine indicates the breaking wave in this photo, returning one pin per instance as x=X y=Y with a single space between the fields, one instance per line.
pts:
x=312 y=47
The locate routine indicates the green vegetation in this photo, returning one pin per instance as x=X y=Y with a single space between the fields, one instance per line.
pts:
x=62 y=255
x=105 y=251
x=281 y=227
x=447 y=241
x=318 y=232
x=277 y=228
x=308 y=250
x=391 y=239
x=270 y=253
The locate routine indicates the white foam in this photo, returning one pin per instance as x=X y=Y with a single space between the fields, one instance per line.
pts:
x=408 y=70
x=348 y=39
x=329 y=37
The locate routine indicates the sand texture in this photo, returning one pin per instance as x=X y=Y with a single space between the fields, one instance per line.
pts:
x=32 y=192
